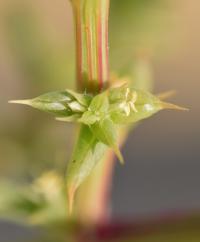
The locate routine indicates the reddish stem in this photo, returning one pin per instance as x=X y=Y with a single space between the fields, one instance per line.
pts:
x=91 y=20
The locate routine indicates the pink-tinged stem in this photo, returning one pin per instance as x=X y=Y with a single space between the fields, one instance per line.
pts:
x=91 y=21
x=93 y=201
x=92 y=64
x=103 y=48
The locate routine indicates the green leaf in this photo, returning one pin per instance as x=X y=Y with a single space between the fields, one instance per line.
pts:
x=76 y=107
x=87 y=153
x=97 y=110
x=118 y=94
x=146 y=105
x=89 y=118
x=72 y=118
x=83 y=99
x=59 y=103
x=100 y=103
x=57 y=96
x=133 y=105
x=105 y=131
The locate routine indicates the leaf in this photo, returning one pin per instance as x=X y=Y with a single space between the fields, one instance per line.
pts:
x=87 y=153
x=57 y=96
x=100 y=103
x=41 y=202
x=105 y=132
x=98 y=109
x=118 y=94
x=76 y=107
x=148 y=104
x=83 y=99
x=59 y=103
x=172 y=106
x=143 y=106
x=88 y=118
x=72 y=118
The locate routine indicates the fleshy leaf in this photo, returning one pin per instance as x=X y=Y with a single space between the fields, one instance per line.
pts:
x=59 y=103
x=87 y=153
x=105 y=132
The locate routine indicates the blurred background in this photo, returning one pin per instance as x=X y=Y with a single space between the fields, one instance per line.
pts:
x=160 y=38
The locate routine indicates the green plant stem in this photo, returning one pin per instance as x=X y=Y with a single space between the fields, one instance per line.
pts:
x=91 y=24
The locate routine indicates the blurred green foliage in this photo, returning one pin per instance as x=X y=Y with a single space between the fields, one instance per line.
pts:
x=39 y=203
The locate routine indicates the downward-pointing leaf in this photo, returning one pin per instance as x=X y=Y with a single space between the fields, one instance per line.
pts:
x=105 y=131
x=87 y=153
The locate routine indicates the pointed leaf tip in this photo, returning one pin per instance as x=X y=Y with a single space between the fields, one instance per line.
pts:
x=172 y=106
x=25 y=101
x=119 y=155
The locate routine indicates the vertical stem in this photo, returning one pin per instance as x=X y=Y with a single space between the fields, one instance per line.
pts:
x=91 y=22
x=93 y=201
x=92 y=67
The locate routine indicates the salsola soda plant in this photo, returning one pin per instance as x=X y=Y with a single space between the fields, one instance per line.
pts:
x=104 y=110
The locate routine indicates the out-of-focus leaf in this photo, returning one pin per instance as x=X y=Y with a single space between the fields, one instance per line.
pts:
x=41 y=202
